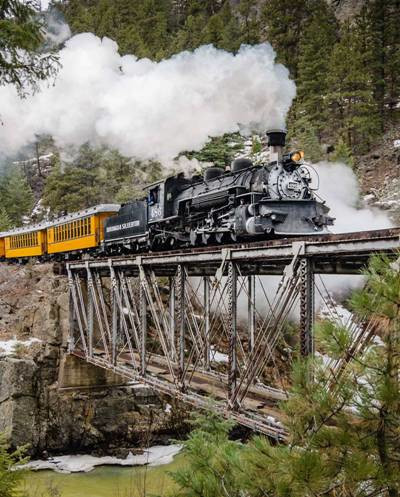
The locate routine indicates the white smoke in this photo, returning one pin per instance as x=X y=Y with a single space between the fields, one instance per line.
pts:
x=57 y=31
x=146 y=109
x=339 y=187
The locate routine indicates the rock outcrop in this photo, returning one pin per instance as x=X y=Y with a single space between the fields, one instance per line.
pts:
x=57 y=403
x=379 y=173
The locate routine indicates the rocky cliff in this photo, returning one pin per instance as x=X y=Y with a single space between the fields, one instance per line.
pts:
x=379 y=174
x=55 y=402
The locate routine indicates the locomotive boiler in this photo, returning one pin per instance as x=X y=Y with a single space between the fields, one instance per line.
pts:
x=247 y=202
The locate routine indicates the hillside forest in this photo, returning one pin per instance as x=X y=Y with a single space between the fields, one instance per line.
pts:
x=344 y=57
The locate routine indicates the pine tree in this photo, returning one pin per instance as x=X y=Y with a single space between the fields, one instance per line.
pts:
x=382 y=23
x=315 y=47
x=17 y=196
x=21 y=63
x=10 y=478
x=342 y=153
x=303 y=135
x=250 y=32
x=219 y=150
x=283 y=21
x=5 y=221
x=212 y=460
x=353 y=113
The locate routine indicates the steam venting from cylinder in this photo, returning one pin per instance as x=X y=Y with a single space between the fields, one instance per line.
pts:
x=276 y=142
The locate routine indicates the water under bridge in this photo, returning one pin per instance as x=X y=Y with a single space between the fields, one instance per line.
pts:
x=201 y=324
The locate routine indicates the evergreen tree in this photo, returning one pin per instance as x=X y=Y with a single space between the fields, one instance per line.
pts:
x=250 y=32
x=342 y=153
x=303 y=135
x=16 y=196
x=220 y=150
x=96 y=176
x=21 y=63
x=382 y=18
x=10 y=479
x=5 y=221
x=315 y=47
x=230 y=35
x=283 y=21
x=353 y=112
x=212 y=460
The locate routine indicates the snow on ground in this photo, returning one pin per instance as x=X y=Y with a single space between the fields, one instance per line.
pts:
x=154 y=456
x=217 y=356
x=7 y=347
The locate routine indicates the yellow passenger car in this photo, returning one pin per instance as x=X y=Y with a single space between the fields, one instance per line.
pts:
x=2 y=247
x=79 y=231
x=26 y=242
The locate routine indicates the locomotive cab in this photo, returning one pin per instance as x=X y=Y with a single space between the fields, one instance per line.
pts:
x=155 y=201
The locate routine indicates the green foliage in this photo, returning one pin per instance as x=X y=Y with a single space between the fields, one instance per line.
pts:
x=380 y=20
x=303 y=136
x=353 y=112
x=256 y=145
x=342 y=153
x=5 y=221
x=16 y=196
x=21 y=63
x=96 y=176
x=315 y=48
x=10 y=479
x=220 y=150
x=284 y=21
x=212 y=460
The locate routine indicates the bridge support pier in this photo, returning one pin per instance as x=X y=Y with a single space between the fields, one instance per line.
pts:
x=307 y=307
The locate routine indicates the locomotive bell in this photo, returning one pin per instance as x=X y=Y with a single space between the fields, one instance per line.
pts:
x=276 y=142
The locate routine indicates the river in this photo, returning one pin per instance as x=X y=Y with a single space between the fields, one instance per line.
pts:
x=104 y=481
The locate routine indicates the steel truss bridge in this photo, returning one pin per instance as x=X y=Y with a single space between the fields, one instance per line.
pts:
x=214 y=317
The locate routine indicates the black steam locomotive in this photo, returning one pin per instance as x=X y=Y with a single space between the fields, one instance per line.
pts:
x=248 y=202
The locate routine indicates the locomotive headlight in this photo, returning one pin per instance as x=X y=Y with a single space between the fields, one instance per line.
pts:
x=297 y=156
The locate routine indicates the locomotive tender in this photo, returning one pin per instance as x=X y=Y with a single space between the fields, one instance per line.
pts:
x=248 y=202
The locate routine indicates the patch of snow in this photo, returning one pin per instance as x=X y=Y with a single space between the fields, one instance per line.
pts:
x=326 y=359
x=369 y=198
x=377 y=340
x=396 y=143
x=335 y=312
x=154 y=456
x=217 y=356
x=7 y=346
x=168 y=408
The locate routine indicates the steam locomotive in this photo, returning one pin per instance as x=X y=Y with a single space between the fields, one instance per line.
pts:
x=245 y=203
x=248 y=202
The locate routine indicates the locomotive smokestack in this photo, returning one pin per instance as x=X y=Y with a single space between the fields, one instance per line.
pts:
x=276 y=142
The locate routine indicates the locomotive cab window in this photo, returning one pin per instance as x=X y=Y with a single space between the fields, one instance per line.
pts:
x=154 y=196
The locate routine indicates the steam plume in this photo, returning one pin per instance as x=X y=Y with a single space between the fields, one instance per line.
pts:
x=146 y=109
x=340 y=189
